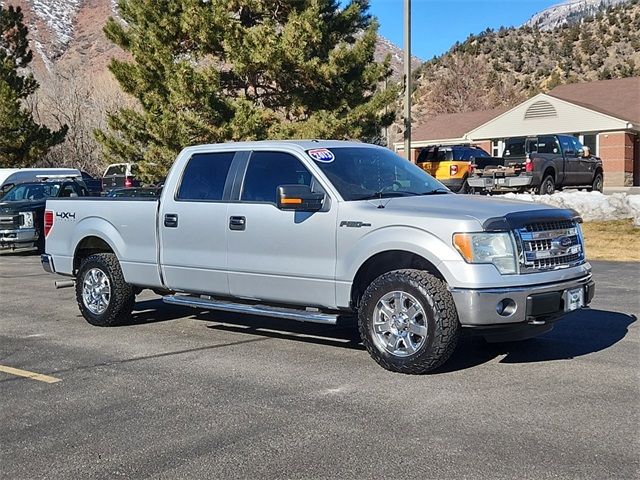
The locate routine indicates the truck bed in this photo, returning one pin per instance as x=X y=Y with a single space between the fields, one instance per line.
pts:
x=132 y=228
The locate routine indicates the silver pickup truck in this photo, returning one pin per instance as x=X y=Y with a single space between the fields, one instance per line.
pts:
x=316 y=230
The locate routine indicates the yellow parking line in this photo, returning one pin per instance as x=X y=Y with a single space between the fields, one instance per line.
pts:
x=27 y=374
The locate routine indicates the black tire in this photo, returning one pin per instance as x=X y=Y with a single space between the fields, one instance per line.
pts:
x=40 y=243
x=122 y=296
x=547 y=186
x=464 y=188
x=440 y=318
x=598 y=183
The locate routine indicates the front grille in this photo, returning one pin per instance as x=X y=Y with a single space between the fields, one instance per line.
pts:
x=549 y=245
x=8 y=222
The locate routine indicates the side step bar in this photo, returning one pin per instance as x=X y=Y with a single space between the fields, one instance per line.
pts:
x=263 y=310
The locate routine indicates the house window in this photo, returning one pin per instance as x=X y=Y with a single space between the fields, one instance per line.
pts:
x=591 y=141
x=496 y=148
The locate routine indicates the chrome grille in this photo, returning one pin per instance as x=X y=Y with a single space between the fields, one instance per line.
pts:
x=10 y=221
x=549 y=245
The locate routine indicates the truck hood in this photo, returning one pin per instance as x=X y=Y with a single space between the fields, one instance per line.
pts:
x=477 y=207
x=22 y=206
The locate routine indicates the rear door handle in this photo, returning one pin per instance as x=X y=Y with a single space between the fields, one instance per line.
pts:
x=237 y=223
x=171 y=220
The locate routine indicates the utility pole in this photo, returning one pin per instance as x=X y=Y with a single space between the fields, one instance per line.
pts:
x=407 y=79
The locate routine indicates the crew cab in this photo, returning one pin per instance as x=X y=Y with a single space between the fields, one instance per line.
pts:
x=318 y=230
x=542 y=164
x=22 y=209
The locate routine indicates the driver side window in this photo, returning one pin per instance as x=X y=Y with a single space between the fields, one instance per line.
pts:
x=267 y=171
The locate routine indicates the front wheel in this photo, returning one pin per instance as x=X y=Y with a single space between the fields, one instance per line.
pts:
x=104 y=298
x=408 y=321
x=598 y=183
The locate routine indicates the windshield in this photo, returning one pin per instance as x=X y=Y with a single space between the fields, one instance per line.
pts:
x=31 y=191
x=361 y=173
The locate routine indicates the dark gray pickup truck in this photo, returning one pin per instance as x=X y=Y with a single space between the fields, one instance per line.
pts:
x=541 y=164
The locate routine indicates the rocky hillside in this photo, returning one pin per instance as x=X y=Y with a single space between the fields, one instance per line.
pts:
x=503 y=67
x=569 y=12
x=67 y=34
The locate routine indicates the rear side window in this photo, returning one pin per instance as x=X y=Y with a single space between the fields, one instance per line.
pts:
x=548 y=145
x=267 y=171
x=205 y=176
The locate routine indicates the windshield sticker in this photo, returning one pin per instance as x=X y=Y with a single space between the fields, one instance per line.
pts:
x=322 y=155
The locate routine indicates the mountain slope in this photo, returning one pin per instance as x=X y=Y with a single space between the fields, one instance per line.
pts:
x=569 y=12
x=504 y=67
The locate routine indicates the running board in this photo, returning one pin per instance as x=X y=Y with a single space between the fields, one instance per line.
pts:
x=262 y=310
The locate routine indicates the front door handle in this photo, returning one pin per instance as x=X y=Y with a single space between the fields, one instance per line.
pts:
x=237 y=223
x=171 y=220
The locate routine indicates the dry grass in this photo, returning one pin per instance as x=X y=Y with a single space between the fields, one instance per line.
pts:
x=616 y=240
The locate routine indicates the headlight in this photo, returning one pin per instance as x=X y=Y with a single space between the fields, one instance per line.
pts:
x=495 y=248
x=27 y=219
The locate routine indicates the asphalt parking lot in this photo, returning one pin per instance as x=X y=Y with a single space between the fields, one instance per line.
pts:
x=188 y=394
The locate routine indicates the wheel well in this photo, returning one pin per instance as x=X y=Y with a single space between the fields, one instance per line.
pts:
x=89 y=246
x=549 y=171
x=598 y=171
x=384 y=262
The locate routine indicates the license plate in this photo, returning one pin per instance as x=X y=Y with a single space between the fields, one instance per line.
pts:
x=573 y=299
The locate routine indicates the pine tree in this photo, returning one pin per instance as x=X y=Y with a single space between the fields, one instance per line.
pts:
x=22 y=141
x=226 y=70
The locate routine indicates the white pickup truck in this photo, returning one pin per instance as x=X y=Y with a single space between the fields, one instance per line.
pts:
x=313 y=230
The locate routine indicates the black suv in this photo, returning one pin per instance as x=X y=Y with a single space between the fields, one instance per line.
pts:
x=22 y=210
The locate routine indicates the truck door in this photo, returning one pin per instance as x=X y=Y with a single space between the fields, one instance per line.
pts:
x=573 y=170
x=193 y=226
x=277 y=255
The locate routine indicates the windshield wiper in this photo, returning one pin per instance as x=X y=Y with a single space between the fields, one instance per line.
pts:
x=388 y=194
x=438 y=191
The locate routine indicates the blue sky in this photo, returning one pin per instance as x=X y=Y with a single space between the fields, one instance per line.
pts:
x=438 y=24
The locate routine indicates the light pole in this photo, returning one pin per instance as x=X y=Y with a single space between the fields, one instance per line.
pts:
x=407 y=79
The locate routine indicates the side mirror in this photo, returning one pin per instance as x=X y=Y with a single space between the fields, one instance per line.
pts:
x=299 y=198
x=586 y=152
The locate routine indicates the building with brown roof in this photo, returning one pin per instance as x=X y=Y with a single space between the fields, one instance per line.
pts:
x=604 y=115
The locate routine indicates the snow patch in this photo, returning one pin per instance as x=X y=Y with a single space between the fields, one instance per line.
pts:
x=592 y=206
x=58 y=15
x=569 y=11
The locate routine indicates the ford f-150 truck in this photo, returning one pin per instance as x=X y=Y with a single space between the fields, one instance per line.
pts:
x=314 y=230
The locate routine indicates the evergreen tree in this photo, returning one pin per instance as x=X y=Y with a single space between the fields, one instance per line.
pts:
x=220 y=70
x=22 y=141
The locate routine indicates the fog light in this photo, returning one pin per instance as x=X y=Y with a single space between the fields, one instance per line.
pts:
x=506 y=307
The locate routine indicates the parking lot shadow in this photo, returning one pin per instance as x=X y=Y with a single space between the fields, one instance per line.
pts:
x=578 y=334
x=344 y=335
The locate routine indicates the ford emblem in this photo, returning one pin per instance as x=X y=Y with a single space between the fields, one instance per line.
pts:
x=563 y=242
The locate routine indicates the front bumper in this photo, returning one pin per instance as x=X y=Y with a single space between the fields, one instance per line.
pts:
x=535 y=304
x=497 y=183
x=19 y=237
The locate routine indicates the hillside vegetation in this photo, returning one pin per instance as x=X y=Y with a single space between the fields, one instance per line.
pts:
x=504 y=67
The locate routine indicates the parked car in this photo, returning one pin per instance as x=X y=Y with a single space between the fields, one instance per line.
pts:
x=543 y=164
x=22 y=210
x=119 y=175
x=12 y=176
x=134 y=192
x=451 y=164
x=94 y=185
x=311 y=230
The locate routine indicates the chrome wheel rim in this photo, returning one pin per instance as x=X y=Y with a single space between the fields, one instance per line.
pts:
x=399 y=324
x=96 y=291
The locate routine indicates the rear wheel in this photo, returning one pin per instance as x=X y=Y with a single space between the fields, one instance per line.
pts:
x=464 y=188
x=408 y=321
x=104 y=298
x=548 y=186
